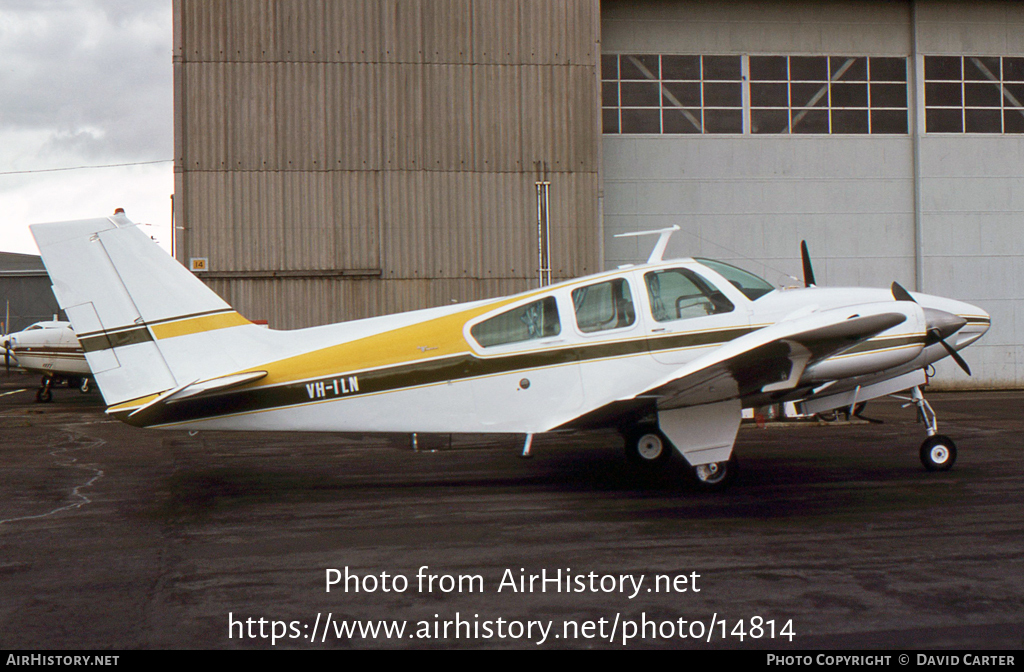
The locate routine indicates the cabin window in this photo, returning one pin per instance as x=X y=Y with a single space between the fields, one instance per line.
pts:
x=752 y=286
x=680 y=294
x=606 y=305
x=524 y=323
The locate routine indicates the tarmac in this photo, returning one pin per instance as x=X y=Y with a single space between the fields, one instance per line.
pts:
x=833 y=536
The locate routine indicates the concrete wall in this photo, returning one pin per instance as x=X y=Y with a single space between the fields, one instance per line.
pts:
x=750 y=199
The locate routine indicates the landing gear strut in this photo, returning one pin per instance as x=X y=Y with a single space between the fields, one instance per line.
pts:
x=938 y=452
x=44 y=394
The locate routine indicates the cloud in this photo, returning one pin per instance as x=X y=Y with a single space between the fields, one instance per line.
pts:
x=72 y=68
x=83 y=83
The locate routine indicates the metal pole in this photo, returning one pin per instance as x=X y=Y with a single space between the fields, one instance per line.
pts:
x=543 y=226
x=173 y=234
x=916 y=98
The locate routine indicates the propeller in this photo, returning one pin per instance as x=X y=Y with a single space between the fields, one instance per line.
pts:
x=805 y=256
x=7 y=355
x=939 y=325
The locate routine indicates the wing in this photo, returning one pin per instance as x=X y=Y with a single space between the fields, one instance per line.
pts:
x=767 y=360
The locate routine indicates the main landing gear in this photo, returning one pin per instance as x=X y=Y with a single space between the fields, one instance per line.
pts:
x=648 y=448
x=45 y=392
x=938 y=452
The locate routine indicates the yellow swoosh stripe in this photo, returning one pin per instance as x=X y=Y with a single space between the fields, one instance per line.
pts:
x=195 y=325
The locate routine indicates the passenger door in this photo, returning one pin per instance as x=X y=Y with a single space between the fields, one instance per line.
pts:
x=688 y=315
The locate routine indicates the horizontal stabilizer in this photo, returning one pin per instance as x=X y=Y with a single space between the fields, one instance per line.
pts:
x=195 y=388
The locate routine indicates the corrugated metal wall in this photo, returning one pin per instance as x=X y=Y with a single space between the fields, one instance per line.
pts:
x=383 y=153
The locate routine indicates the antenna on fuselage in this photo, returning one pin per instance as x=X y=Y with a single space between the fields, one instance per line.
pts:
x=659 y=247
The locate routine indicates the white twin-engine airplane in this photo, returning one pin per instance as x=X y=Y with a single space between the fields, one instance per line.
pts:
x=667 y=352
x=49 y=348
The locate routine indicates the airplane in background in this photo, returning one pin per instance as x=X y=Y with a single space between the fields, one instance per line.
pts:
x=668 y=352
x=49 y=348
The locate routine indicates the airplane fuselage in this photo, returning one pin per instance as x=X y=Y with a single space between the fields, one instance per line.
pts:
x=48 y=348
x=479 y=368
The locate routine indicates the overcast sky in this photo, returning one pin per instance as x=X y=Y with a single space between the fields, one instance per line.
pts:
x=84 y=83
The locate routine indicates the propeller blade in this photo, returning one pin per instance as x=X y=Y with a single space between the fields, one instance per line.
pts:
x=7 y=356
x=805 y=257
x=901 y=294
x=956 y=357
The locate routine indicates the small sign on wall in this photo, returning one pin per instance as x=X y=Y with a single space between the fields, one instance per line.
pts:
x=198 y=264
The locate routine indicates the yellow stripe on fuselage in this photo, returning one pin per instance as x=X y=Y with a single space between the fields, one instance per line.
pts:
x=195 y=325
x=435 y=338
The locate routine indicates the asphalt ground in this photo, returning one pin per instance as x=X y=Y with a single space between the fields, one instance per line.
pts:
x=832 y=537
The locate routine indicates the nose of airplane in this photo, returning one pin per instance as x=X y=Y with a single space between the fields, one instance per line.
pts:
x=940 y=324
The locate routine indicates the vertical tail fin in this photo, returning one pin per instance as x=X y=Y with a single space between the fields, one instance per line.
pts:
x=146 y=324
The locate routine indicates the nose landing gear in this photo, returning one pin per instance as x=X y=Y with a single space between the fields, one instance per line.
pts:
x=938 y=452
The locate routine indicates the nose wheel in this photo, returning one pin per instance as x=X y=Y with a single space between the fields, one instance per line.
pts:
x=938 y=452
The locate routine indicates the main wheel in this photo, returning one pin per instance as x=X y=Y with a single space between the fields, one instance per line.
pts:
x=938 y=453
x=716 y=475
x=648 y=446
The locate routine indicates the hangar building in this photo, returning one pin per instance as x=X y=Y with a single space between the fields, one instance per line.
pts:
x=336 y=160
x=25 y=294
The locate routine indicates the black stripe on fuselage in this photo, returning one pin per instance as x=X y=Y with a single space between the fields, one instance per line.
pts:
x=406 y=376
x=418 y=374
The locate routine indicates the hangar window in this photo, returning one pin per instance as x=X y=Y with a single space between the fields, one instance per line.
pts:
x=974 y=94
x=645 y=93
x=828 y=94
x=677 y=94
x=606 y=305
x=525 y=323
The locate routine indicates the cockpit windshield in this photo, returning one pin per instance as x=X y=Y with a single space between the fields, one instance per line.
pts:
x=751 y=285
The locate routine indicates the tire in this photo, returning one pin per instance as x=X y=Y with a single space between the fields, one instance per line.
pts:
x=44 y=395
x=715 y=476
x=938 y=453
x=647 y=446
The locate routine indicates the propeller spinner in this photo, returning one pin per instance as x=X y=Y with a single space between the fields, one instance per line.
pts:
x=939 y=325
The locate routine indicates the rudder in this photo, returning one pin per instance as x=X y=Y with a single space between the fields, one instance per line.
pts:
x=122 y=293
